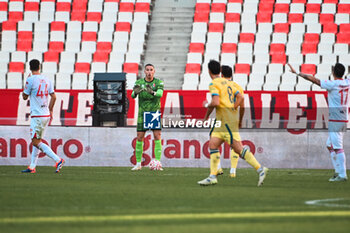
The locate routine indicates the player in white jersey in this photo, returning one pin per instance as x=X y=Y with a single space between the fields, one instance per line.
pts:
x=338 y=102
x=38 y=88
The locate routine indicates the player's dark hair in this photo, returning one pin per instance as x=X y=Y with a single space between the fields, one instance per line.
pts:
x=338 y=70
x=214 y=67
x=149 y=64
x=226 y=71
x=34 y=65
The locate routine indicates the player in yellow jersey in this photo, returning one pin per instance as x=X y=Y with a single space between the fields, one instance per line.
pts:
x=226 y=72
x=226 y=99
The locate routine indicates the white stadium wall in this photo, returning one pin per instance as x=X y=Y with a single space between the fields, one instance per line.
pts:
x=90 y=146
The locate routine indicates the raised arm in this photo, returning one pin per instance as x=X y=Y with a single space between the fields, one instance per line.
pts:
x=308 y=77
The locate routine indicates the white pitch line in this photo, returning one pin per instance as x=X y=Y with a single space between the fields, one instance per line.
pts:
x=157 y=217
x=328 y=202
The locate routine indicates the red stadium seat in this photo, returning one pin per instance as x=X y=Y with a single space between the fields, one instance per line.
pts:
x=281 y=28
x=344 y=8
x=79 y=5
x=51 y=56
x=277 y=48
x=25 y=35
x=126 y=7
x=89 y=36
x=142 y=7
x=15 y=16
x=326 y=18
x=295 y=18
x=24 y=45
x=202 y=7
x=246 y=38
x=196 y=48
x=216 y=27
x=104 y=47
x=280 y=58
x=3 y=6
x=63 y=6
x=193 y=68
x=94 y=16
x=311 y=38
x=313 y=8
x=299 y=1
x=344 y=28
x=122 y=26
x=9 y=26
x=218 y=7
x=343 y=38
x=16 y=67
x=232 y=18
x=31 y=6
x=58 y=26
x=308 y=69
x=242 y=69
x=100 y=56
x=56 y=46
x=228 y=48
x=330 y=28
x=201 y=17
x=82 y=67
x=266 y=7
x=131 y=68
x=237 y=1
x=78 y=16
x=330 y=1
x=281 y=8
x=263 y=17
x=308 y=48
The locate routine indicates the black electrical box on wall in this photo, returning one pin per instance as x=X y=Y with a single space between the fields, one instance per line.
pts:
x=110 y=101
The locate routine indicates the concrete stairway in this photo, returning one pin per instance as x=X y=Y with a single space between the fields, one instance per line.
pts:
x=168 y=40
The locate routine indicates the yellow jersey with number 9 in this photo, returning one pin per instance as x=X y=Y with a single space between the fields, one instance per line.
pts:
x=225 y=112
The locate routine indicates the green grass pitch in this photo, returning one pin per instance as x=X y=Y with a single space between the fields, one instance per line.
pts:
x=114 y=199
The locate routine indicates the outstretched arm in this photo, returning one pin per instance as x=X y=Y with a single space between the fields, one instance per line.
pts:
x=308 y=77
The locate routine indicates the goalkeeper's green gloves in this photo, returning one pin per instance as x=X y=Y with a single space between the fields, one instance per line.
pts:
x=150 y=90
x=137 y=89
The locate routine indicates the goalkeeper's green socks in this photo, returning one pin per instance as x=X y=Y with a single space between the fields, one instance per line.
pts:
x=139 y=151
x=158 y=149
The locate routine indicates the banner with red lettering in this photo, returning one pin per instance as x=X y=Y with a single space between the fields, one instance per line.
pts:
x=104 y=146
x=263 y=109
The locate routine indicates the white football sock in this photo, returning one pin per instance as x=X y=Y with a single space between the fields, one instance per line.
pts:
x=47 y=150
x=34 y=159
x=219 y=166
x=334 y=161
x=233 y=170
x=341 y=160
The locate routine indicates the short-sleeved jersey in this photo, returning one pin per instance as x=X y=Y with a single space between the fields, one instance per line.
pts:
x=227 y=92
x=148 y=102
x=338 y=99
x=38 y=89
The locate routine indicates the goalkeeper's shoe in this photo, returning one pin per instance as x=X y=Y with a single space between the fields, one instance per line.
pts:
x=208 y=181
x=338 y=178
x=159 y=166
x=28 y=170
x=136 y=167
x=262 y=176
x=220 y=172
x=59 y=165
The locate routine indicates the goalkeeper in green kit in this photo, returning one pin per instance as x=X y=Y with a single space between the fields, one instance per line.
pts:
x=149 y=90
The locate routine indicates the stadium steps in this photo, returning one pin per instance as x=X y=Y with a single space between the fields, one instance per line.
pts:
x=168 y=40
